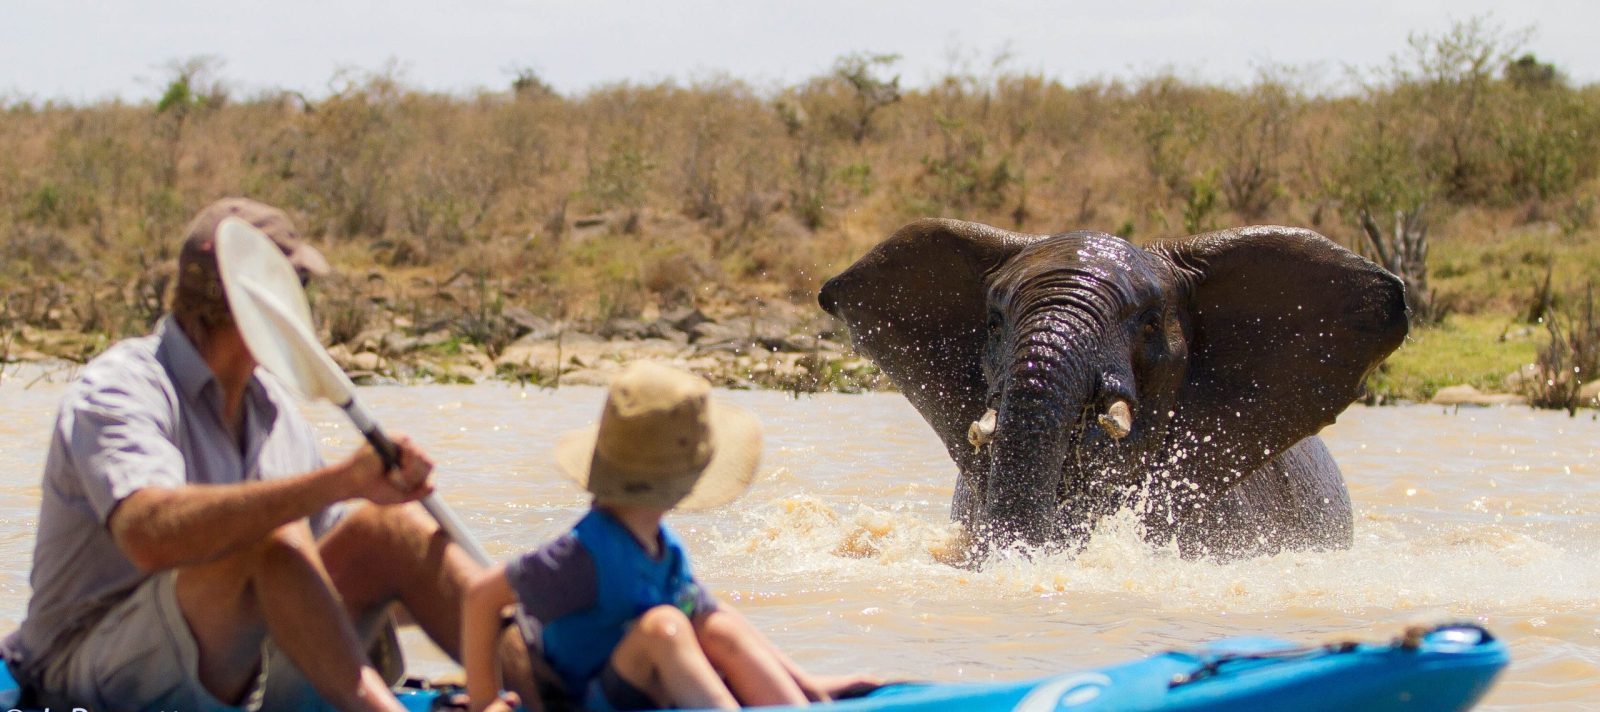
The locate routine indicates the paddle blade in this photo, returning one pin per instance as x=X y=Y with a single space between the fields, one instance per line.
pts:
x=269 y=306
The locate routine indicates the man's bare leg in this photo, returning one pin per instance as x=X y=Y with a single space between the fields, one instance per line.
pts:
x=519 y=674
x=379 y=555
x=277 y=587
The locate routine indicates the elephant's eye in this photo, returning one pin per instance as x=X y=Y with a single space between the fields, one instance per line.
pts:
x=1150 y=324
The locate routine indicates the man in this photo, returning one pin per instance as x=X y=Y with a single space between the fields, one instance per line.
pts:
x=190 y=537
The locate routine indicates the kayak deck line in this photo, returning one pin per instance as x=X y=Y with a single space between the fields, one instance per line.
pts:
x=1411 y=639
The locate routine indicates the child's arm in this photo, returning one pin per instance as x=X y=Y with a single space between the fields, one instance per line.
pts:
x=487 y=596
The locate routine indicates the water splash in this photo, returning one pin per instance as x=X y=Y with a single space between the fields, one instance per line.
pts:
x=1391 y=566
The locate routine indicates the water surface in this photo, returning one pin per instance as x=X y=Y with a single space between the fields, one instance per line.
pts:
x=1485 y=515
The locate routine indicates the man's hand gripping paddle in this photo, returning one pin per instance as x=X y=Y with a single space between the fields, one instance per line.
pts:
x=269 y=306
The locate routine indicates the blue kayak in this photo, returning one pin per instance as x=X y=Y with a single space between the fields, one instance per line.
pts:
x=1446 y=668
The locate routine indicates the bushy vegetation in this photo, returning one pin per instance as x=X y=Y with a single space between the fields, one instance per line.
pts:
x=716 y=192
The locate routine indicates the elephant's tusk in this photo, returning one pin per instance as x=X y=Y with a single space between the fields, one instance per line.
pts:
x=982 y=430
x=1117 y=420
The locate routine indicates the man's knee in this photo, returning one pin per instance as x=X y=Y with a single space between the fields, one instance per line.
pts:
x=229 y=578
x=288 y=541
x=376 y=552
x=373 y=525
x=290 y=545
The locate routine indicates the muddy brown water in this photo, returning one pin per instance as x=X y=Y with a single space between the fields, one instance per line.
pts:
x=1490 y=515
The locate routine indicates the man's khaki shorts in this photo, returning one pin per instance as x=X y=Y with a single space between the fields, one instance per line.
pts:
x=140 y=655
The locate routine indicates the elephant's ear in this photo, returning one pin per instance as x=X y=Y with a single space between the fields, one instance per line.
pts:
x=1284 y=327
x=916 y=305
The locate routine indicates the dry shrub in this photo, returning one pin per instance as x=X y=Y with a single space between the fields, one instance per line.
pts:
x=343 y=308
x=597 y=204
x=1571 y=358
x=673 y=277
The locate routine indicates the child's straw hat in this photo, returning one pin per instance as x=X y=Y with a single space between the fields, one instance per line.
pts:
x=662 y=442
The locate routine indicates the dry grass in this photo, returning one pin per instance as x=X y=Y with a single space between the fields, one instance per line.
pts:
x=631 y=197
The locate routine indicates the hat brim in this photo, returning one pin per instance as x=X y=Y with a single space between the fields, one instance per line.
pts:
x=308 y=260
x=735 y=436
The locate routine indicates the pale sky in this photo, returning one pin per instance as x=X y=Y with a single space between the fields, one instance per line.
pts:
x=83 y=51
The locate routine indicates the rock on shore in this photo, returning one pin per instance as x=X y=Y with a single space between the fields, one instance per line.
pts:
x=778 y=349
x=1470 y=396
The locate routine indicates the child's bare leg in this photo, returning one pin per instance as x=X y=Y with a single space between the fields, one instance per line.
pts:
x=662 y=658
x=754 y=668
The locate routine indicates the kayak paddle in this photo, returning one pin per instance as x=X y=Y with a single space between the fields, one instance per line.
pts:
x=269 y=306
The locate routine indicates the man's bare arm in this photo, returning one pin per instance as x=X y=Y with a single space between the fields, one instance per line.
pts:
x=160 y=528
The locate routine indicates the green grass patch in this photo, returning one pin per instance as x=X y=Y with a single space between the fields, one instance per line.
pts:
x=451 y=346
x=1505 y=273
x=1475 y=349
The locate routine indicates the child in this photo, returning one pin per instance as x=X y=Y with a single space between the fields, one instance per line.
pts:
x=612 y=605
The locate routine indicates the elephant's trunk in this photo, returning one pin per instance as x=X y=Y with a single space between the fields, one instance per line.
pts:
x=1046 y=386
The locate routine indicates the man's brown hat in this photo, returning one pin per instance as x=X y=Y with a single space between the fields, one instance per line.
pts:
x=197 y=295
x=307 y=261
x=662 y=442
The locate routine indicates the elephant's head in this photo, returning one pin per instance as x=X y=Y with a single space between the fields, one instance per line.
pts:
x=1065 y=371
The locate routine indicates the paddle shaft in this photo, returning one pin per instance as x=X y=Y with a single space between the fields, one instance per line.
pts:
x=390 y=453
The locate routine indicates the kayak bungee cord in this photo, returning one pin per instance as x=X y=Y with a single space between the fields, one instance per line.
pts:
x=1410 y=640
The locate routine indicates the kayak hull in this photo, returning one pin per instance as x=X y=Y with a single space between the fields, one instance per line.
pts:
x=1447 y=668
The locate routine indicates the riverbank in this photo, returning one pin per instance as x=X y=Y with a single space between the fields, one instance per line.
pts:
x=1471 y=360
x=775 y=347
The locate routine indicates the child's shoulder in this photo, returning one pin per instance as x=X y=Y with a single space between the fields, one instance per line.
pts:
x=564 y=554
x=554 y=579
x=560 y=563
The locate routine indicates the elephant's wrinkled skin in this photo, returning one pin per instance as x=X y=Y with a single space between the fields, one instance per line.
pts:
x=1071 y=375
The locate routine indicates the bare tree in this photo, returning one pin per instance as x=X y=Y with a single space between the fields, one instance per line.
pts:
x=872 y=92
x=1404 y=252
x=1257 y=135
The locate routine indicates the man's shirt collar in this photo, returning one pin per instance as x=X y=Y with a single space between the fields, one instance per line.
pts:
x=197 y=384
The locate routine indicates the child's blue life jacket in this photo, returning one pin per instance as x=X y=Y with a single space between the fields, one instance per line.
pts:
x=628 y=583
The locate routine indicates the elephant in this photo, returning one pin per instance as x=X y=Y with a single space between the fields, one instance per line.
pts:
x=1073 y=375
